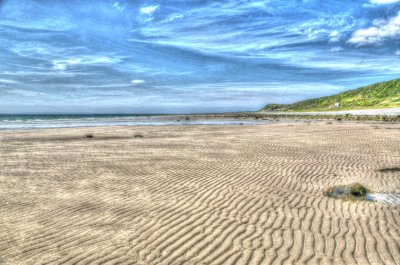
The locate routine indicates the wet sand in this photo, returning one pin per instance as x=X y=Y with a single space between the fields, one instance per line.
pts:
x=201 y=194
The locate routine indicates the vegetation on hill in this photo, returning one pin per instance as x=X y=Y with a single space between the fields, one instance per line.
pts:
x=380 y=95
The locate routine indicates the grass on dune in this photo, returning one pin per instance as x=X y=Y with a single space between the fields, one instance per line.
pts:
x=380 y=95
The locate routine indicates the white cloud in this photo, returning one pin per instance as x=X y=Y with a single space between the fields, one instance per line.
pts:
x=334 y=33
x=383 y=29
x=117 y=6
x=334 y=36
x=383 y=2
x=85 y=60
x=9 y=81
x=336 y=49
x=138 y=81
x=149 y=10
x=397 y=52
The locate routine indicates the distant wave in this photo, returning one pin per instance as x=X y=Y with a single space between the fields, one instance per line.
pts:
x=18 y=122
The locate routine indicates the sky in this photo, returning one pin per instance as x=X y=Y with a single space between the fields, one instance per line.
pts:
x=185 y=56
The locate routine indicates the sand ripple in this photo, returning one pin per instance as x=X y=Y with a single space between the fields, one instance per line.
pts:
x=199 y=195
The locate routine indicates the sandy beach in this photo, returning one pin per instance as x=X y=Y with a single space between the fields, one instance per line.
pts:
x=199 y=194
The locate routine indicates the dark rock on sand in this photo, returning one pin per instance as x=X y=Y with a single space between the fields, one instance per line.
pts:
x=354 y=191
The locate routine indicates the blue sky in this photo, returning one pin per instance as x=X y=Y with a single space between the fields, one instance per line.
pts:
x=138 y=56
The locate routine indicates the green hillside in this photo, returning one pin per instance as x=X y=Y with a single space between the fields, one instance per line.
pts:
x=380 y=95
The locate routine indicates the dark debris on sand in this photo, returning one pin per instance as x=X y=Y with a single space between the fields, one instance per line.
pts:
x=390 y=169
x=353 y=192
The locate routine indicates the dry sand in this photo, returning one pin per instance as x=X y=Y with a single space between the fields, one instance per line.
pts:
x=198 y=195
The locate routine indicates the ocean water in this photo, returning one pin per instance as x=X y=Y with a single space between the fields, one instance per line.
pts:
x=23 y=122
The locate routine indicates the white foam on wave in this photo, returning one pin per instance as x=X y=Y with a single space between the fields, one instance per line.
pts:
x=115 y=121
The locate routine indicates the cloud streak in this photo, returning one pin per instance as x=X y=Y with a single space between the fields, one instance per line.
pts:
x=384 y=2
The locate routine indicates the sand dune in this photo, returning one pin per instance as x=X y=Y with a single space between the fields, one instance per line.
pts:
x=366 y=112
x=198 y=195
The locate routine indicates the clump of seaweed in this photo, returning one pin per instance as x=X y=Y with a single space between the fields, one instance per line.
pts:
x=88 y=136
x=138 y=136
x=352 y=192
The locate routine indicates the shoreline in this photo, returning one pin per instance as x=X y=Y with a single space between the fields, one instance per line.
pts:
x=27 y=122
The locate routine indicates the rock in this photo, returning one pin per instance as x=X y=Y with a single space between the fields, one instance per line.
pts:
x=354 y=191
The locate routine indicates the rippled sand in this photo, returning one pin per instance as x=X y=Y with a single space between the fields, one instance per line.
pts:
x=198 y=195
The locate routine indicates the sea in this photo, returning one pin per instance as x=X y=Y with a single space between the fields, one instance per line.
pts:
x=43 y=121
